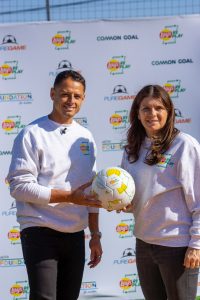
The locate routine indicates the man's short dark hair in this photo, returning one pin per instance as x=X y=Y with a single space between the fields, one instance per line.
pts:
x=69 y=74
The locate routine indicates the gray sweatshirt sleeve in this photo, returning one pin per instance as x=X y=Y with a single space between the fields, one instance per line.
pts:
x=23 y=172
x=189 y=176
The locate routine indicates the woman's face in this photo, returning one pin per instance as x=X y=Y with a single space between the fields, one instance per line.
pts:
x=153 y=115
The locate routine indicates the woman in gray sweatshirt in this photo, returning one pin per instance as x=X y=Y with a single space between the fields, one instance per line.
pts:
x=165 y=164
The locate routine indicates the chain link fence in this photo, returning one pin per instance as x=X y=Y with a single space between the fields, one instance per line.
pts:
x=42 y=10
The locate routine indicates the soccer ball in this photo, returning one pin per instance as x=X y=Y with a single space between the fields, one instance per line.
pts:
x=114 y=187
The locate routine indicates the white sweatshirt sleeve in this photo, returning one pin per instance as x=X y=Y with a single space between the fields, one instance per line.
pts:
x=124 y=161
x=94 y=170
x=189 y=176
x=23 y=172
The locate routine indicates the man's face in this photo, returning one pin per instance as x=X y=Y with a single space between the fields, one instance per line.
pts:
x=67 y=99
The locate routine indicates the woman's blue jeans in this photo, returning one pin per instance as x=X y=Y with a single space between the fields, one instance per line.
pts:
x=162 y=274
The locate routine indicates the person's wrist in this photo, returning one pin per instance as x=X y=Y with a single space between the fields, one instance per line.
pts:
x=96 y=234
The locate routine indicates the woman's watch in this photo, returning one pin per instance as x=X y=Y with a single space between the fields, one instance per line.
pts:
x=96 y=233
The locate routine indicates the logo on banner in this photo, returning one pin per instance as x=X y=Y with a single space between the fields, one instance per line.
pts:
x=63 y=65
x=125 y=228
x=180 y=119
x=88 y=287
x=117 y=64
x=101 y=38
x=129 y=283
x=21 y=98
x=128 y=252
x=11 y=211
x=119 y=93
x=109 y=145
x=10 y=70
x=173 y=88
x=12 y=125
x=128 y=257
x=14 y=235
x=119 y=120
x=62 y=39
x=172 y=61
x=9 y=43
x=6 y=262
x=5 y=152
x=20 y=290
x=169 y=34
x=82 y=121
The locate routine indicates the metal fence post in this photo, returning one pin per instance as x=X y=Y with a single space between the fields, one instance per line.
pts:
x=48 y=10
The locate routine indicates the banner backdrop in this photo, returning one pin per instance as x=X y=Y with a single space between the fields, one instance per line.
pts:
x=117 y=58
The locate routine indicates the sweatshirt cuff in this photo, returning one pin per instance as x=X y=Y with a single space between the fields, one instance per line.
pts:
x=194 y=243
x=44 y=195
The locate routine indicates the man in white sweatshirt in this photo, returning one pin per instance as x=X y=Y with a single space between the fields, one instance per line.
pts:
x=53 y=162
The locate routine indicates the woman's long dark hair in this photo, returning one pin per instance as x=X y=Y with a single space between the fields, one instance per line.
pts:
x=136 y=133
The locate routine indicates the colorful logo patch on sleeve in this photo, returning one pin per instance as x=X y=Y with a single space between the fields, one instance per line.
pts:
x=165 y=161
x=85 y=148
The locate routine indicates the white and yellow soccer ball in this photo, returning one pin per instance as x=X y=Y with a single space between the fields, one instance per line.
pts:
x=114 y=187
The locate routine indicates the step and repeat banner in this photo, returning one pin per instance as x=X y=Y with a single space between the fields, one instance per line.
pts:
x=117 y=58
